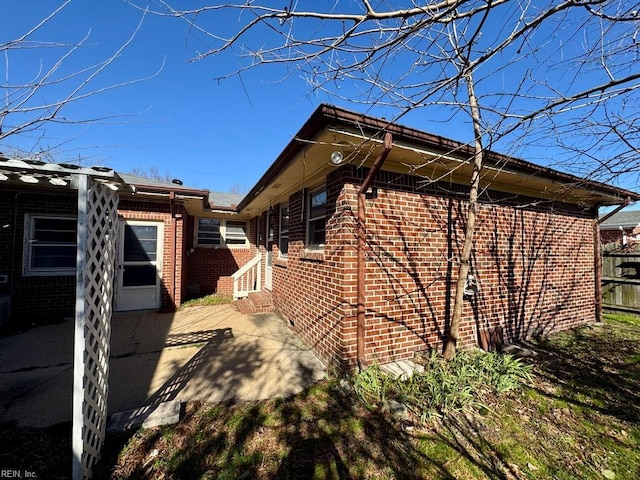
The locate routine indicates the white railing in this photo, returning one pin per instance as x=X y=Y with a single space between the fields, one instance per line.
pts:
x=247 y=279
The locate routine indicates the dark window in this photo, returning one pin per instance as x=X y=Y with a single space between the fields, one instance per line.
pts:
x=209 y=231
x=50 y=245
x=283 y=243
x=317 y=218
x=139 y=275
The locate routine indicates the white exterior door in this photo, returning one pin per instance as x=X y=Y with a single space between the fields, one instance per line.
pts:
x=268 y=269
x=140 y=266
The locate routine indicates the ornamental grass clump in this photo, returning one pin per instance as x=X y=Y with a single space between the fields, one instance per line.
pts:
x=372 y=385
x=445 y=386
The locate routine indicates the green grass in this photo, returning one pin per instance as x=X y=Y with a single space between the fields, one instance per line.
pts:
x=620 y=318
x=214 y=299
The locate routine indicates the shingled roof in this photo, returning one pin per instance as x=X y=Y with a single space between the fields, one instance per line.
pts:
x=624 y=219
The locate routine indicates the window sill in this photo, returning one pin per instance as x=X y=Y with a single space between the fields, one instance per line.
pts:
x=313 y=255
x=48 y=273
x=281 y=262
x=223 y=247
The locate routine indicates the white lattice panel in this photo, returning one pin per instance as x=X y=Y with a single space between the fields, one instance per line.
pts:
x=97 y=230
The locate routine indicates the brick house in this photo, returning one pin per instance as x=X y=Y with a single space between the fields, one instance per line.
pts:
x=202 y=241
x=535 y=260
x=160 y=260
x=621 y=227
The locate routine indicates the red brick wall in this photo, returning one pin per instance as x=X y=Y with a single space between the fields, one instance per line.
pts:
x=308 y=290
x=616 y=236
x=535 y=267
x=34 y=299
x=535 y=270
x=209 y=270
x=173 y=247
x=611 y=236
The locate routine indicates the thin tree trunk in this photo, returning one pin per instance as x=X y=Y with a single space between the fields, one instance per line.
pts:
x=465 y=257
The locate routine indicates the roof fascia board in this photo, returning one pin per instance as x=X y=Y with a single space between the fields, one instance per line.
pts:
x=328 y=116
x=448 y=146
x=165 y=192
x=178 y=190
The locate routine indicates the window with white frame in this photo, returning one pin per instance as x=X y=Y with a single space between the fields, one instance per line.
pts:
x=235 y=233
x=50 y=245
x=215 y=232
x=283 y=243
x=317 y=218
x=208 y=233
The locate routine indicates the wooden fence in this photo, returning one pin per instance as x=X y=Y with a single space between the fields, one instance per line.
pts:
x=621 y=281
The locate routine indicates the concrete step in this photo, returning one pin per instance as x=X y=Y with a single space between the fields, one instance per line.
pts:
x=256 y=302
x=262 y=299
x=245 y=306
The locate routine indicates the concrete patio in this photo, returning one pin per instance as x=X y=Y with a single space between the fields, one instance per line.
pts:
x=209 y=353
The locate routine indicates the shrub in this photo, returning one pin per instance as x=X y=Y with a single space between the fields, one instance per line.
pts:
x=445 y=386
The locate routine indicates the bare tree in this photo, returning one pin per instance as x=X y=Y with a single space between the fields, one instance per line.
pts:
x=239 y=189
x=553 y=73
x=151 y=173
x=27 y=106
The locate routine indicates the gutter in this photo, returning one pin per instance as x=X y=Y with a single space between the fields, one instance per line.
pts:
x=185 y=193
x=361 y=246
x=174 y=247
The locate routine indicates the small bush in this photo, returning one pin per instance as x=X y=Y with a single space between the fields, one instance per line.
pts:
x=445 y=386
x=372 y=385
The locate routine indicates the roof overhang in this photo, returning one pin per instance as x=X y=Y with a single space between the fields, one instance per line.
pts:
x=194 y=201
x=305 y=163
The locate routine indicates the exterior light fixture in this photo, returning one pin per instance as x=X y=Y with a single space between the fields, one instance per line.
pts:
x=337 y=158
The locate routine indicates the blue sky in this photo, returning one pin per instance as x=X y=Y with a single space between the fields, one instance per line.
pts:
x=182 y=122
x=210 y=134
